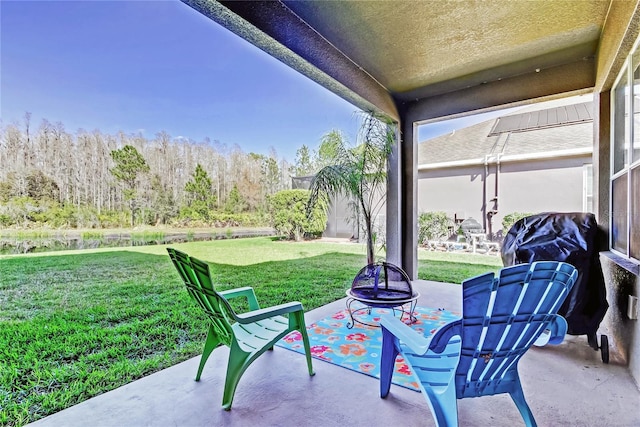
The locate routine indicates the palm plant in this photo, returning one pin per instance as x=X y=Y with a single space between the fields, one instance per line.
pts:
x=359 y=172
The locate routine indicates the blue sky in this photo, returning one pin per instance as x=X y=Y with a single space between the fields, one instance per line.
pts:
x=151 y=66
x=147 y=66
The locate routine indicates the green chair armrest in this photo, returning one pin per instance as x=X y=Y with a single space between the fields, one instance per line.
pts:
x=276 y=310
x=245 y=291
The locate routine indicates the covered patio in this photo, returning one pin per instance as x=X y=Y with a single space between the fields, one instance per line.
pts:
x=567 y=385
x=418 y=62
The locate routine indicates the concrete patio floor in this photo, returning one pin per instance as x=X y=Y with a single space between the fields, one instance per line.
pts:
x=565 y=385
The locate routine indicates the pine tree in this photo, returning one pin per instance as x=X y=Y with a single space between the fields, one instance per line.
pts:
x=200 y=197
x=129 y=166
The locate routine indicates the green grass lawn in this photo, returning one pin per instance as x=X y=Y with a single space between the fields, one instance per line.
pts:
x=76 y=324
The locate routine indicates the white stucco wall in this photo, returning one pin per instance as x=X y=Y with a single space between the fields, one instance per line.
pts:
x=454 y=191
x=339 y=219
x=532 y=186
x=555 y=185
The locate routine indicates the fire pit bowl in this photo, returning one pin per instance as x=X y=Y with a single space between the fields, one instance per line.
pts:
x=381 y=285
x=382 y=282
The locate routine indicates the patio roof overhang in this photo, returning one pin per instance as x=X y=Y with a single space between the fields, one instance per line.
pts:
x=392 y=55
x=421 y=60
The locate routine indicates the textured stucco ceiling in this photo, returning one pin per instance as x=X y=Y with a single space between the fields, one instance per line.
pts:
x=412 y=45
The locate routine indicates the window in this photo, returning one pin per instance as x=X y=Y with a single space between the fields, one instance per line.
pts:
x=636 y=105
x=634 y=244
x=619 y=123
x=625 y=159
x=619 y=214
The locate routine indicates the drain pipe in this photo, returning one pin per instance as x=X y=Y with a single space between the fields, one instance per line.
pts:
x=496 y=189
x=484 y=192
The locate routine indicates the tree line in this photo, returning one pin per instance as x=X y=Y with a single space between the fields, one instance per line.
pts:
x=53 y=177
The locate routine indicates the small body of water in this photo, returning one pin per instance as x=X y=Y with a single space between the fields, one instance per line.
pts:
x=48 y=243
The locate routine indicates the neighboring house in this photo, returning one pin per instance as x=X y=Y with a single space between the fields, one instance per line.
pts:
x=529 y=161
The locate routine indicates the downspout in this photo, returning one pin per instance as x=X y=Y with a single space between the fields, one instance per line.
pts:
x=496 y=191
x=484 y=192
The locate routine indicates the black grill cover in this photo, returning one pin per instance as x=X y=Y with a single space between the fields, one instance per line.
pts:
x=568 y=237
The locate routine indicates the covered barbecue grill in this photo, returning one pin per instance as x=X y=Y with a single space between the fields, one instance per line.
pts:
x=572 y=238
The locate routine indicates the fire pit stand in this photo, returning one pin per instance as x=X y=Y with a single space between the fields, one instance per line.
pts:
x=396 y=306
x=381 y=285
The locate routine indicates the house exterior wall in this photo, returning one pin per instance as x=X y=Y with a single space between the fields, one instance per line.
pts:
x=339 y=222
x=621 y=278
x=456 y=191
x=531 y=186
x=542 y=186
x=623 y=333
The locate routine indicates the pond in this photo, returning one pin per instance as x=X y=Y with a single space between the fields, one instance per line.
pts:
x=33 y=242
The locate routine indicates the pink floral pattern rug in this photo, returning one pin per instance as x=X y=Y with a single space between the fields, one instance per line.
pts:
x=359 y=348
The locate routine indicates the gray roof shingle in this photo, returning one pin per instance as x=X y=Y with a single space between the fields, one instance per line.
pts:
x=477 y=141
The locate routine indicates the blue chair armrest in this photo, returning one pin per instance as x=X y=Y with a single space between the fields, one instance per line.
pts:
x=555 y=332
x=416 y=342
x=276 y=310
x=558 y=330
x=246 y=292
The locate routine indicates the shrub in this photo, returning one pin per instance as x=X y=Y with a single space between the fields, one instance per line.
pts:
x=289 y=215
x=92 y=235
x=512 y=218
x=433 y=226
x=113 y=219
x=5 y=220
x=224 y=219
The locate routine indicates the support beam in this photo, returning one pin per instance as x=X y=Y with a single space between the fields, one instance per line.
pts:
x=602 y=158
x=402 y=202
x=409 y=200
x=620 y=31
x=551 y=82
x=393 y=235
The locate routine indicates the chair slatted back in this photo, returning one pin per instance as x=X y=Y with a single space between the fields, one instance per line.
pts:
x=197 y=279
x=502 y=317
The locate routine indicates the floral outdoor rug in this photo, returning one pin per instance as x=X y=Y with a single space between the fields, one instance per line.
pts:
x=359 y=348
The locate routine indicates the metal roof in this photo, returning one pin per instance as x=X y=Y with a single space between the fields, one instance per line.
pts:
x=476 y=142
x=552 y=117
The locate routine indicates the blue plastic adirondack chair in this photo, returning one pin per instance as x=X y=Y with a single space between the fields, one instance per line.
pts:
x=478 y=355
x=248 y=335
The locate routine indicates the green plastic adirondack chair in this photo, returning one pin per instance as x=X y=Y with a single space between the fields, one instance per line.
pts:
x=247 y=335
x=478 y=355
